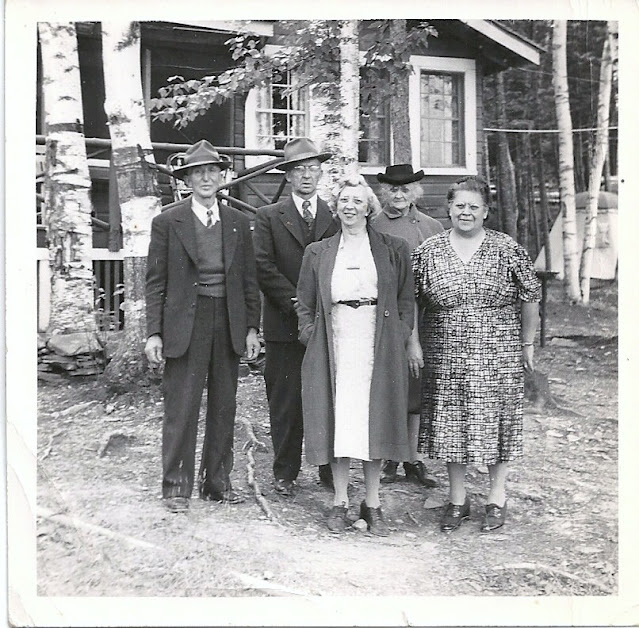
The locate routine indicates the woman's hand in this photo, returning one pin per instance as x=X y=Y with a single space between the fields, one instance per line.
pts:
x=527 y=352
x=415 y=357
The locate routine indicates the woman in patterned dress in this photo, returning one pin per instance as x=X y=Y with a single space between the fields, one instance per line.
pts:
x=479 y=296
x=355 y=308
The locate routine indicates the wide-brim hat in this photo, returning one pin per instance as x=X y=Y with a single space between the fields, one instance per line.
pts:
x=301 y=149
x=201 y=153
x=400 y=174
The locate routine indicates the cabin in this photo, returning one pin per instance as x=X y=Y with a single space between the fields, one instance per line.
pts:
x=445 y=105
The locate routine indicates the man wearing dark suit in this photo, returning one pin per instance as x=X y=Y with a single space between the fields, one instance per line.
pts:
x=282 y=232
x=203 y=312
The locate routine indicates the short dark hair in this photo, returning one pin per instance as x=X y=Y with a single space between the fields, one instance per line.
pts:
x=470 y=184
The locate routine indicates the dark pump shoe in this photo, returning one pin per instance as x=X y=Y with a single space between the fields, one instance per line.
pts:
x=283 y=487
x=389 y=472
x=227 y=497
x=176 y=504
x=494 y=517
x=454 y=515
x=326 y=475
x=337 y=520
x=374 y=519
x=416 y=472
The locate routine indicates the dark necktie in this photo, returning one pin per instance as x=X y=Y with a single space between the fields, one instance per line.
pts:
x=306 y=214
x=209 y=218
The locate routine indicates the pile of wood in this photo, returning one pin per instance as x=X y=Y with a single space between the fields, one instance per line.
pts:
x=74 y=355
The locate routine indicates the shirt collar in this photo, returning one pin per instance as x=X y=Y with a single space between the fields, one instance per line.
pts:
x=298 y=204
x=202 y=212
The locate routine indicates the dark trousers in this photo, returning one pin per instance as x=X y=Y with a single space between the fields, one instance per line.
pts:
x=283 y=377
x=210 y=356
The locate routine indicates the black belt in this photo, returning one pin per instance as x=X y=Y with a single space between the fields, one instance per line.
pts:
x=357 y=302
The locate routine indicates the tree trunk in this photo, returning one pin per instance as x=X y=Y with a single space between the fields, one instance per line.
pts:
x=67 y=185
x=507 y=186
x=349 y=94
x=335 y=110
x=137 y=190
x=523 y=219
x=543 y=201
x=399 y=115
x=566 y=161
x=597 y=162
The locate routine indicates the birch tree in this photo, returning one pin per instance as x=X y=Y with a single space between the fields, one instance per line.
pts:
x=566 y=161
x=349 y=95
x=67 y=185
x=138 y=194
x=608 y=58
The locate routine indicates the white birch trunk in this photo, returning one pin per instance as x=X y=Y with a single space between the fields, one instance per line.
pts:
x=349 y=92
x=67 y=186
x=566 y=161
x=597 y=162
x=335 y=113
x=137 y=188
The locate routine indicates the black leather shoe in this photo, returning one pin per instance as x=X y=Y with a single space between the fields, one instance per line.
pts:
x=494 y=517
x=284 y=487
x=337 y=520
x=227 y=497
x=389 y=472
x=176 y=504
x=374 y=519
x=326 y=475
x=416 y=472
x=454 y=515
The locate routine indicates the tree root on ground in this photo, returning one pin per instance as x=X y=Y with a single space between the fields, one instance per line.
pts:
x=78 y=524
x=49 y=447
x=252 y=444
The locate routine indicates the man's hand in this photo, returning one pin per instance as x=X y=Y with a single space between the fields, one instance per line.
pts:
x=153 y=350
x=252 y=344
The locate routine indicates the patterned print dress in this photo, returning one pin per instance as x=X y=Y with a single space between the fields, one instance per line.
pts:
x=472 y=381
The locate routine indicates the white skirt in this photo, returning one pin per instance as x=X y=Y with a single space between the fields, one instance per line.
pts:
x=354 y=346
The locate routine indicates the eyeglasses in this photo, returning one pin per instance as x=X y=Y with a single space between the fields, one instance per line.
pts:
x=397 y=188
x=303 y=169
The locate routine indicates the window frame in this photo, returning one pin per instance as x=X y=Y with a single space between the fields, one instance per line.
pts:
x=251 y=125
x=450 y=65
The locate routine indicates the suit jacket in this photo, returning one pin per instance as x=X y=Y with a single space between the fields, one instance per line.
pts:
x=172 y=277
x=388 y=436
x=279 y=249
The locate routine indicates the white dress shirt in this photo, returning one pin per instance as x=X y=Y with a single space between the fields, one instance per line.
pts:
x=298 y=203
x=202 y=212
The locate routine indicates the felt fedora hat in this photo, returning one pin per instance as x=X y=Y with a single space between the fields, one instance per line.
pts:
x=200 y=154
x=300 y=149
x=400 y=175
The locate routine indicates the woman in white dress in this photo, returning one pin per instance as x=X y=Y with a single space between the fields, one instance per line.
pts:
x=355 y=309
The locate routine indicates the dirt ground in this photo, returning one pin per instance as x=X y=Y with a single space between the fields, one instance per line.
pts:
x=102 y=529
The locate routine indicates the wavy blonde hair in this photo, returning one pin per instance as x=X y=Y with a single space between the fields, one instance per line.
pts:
x=372 y=202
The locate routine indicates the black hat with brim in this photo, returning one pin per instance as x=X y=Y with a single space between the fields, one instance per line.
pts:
x=400 y=174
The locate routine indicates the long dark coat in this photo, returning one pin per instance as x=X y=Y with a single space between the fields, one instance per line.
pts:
x=389 y=387
x=172 y=277
x=279 y=247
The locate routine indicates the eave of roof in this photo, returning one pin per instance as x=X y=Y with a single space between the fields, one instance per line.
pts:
x=524 y=49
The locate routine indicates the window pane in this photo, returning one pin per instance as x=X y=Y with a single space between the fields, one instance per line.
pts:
x=441 y=116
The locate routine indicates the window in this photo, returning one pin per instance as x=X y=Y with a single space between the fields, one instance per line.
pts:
x=374 y=140
x=275 y=115
x=442 y=96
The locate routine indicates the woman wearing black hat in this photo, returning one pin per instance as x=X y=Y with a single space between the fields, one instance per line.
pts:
x=399 y=190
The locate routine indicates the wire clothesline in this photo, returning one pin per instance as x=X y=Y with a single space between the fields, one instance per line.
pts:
x=610 y=128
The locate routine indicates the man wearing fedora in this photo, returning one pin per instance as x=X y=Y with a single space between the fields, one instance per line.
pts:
x=399 y=190
x=282 y=232
x=203 y=313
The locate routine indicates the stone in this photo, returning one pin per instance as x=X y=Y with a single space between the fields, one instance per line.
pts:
x=431 y=503
x=360 y=524
x=74 y=344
